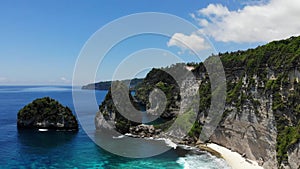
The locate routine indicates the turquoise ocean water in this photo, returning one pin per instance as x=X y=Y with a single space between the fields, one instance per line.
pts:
x=33 y=149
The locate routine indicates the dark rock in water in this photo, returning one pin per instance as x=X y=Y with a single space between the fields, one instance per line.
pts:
x=46 y=113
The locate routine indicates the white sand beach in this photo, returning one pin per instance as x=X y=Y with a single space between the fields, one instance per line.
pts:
x=234 y=159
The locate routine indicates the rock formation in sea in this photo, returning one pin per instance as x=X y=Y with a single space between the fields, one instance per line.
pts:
x=46 y=113
x=261 y=118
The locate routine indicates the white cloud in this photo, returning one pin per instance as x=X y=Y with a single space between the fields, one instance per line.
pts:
x=217 y=10
x=64 y=80
x=263 y=22
x=188 y=42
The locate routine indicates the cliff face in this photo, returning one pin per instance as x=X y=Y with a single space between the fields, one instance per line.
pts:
x=250 y=127
x=261 y=118
x=294 y=157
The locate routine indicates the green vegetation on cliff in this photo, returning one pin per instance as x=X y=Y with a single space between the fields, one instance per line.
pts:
x=110 y=112
x=162 y=79
x=287 y=114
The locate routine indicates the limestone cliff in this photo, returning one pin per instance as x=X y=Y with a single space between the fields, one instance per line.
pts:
x=261 y=118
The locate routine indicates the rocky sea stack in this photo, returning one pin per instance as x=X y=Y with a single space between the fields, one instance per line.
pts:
x=46 y=113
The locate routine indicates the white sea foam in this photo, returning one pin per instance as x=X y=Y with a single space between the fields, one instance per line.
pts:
x=128 y=134
x=188 y=147
x=123 y=136
x=170 y=143
x=43 y=129
x=167 y=141
x=118 y=137
x=204 y=161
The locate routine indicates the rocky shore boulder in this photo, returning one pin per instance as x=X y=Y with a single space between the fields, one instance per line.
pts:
x=144 y=130
x=46 y=113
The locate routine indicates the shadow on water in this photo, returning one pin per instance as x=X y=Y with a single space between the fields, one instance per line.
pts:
x=167 y=158
x=138 y=147
x=48 y=139
x=127 y=162
x=41 y=149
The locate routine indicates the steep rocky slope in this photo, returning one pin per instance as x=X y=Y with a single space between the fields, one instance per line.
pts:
x=262 y=111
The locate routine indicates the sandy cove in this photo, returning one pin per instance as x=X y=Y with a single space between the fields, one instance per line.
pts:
x=234 y=159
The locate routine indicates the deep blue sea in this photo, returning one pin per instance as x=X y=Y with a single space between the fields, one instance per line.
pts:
x=33 y=149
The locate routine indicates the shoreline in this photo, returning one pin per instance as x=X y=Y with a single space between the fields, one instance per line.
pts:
x=234 y=159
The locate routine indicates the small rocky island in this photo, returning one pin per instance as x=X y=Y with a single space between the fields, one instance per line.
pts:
x=46 y=113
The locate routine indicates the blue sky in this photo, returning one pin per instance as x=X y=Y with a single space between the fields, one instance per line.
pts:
x=41 y=40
